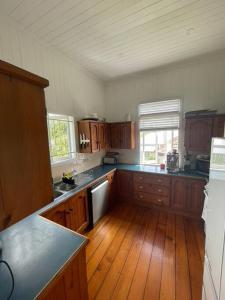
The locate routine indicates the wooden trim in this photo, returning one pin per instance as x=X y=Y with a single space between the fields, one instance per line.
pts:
x=13 y=71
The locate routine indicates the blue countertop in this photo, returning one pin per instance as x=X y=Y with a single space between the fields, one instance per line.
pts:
x=36 y=249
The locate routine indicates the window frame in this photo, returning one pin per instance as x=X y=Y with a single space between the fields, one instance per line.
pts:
x=155 y=145
x=179 y=129
x=71 y=138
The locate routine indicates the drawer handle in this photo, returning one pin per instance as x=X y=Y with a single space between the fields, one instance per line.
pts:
x=159 y=190
x=159 y=200
x=159 y=180
x=141 y=196
x=140 y=177
x=141 y=187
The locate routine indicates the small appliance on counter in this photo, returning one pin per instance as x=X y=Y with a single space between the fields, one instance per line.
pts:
x=111 y=158
x=202 y=164
x=172 y=161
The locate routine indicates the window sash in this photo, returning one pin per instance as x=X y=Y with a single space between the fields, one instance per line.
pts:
x=68 y=155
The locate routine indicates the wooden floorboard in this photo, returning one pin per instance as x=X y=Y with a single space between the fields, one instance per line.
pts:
x=137 y=253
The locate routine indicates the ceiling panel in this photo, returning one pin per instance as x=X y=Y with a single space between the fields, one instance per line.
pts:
x=116 y=37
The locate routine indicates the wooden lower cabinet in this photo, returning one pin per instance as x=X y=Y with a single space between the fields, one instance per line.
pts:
x=124 y=185
x=177 y=194
x=59 y=215
x=72 y=214
x=78 y=211
x=70 y=283
x=112 y=189
x=188 y=196
x=152 y=189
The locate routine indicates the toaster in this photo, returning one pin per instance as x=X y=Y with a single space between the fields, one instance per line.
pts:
x=107 y=160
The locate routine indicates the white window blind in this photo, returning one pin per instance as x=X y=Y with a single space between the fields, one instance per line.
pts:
x=159 y=115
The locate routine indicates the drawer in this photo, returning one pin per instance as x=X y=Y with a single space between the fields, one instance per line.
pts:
x=152 y=188
x=152 y=198
x=153 y=179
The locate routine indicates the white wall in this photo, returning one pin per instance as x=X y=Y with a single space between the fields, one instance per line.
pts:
x=200 y=83
x=72 y=89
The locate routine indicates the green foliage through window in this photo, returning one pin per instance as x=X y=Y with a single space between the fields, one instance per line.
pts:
x=61 y=137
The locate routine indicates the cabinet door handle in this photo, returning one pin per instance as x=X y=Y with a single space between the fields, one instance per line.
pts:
x=141 y=187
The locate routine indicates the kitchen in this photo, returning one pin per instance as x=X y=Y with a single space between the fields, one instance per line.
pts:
x=104 y=163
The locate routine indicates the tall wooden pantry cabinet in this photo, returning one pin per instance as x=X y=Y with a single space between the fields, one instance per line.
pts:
x=25 y=171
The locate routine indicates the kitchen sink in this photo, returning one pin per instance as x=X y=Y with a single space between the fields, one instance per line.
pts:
x=57 y=194
x=64 y=187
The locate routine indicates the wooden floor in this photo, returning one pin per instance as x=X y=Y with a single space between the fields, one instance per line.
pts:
x=136 y=253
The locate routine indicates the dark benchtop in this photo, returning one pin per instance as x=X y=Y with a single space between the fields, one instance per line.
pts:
x=37 y=249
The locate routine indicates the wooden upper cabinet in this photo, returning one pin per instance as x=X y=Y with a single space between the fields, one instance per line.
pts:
x=94 y=128
x=123 y=135
x=107 y=136
x=97 y=136
x=198 y=134
x=102 y=136
x=25 y=183
x=219 y=126
x=115 y=135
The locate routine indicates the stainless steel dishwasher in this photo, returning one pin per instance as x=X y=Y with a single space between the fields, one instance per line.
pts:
x=98 y=202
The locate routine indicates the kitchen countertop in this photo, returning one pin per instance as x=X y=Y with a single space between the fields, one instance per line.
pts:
x=36 y=249
x=158 y=171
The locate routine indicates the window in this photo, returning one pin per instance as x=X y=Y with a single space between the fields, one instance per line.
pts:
x=61 y=138
x=159 y=130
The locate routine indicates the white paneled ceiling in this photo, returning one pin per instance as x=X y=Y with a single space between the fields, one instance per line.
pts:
x=116 y=37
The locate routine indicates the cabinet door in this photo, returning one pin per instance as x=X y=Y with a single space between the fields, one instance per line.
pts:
x=219 y=126
x=124 y=181
x=112 y=189
x=179 y=193
x=195 y=196
x=84 y=134
x=102 y=136
x=127 y=132
x=94 y=128
x=59 y=215
x=198 y=134
x=115 y=135
x=78 y=211
x=107 y=136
